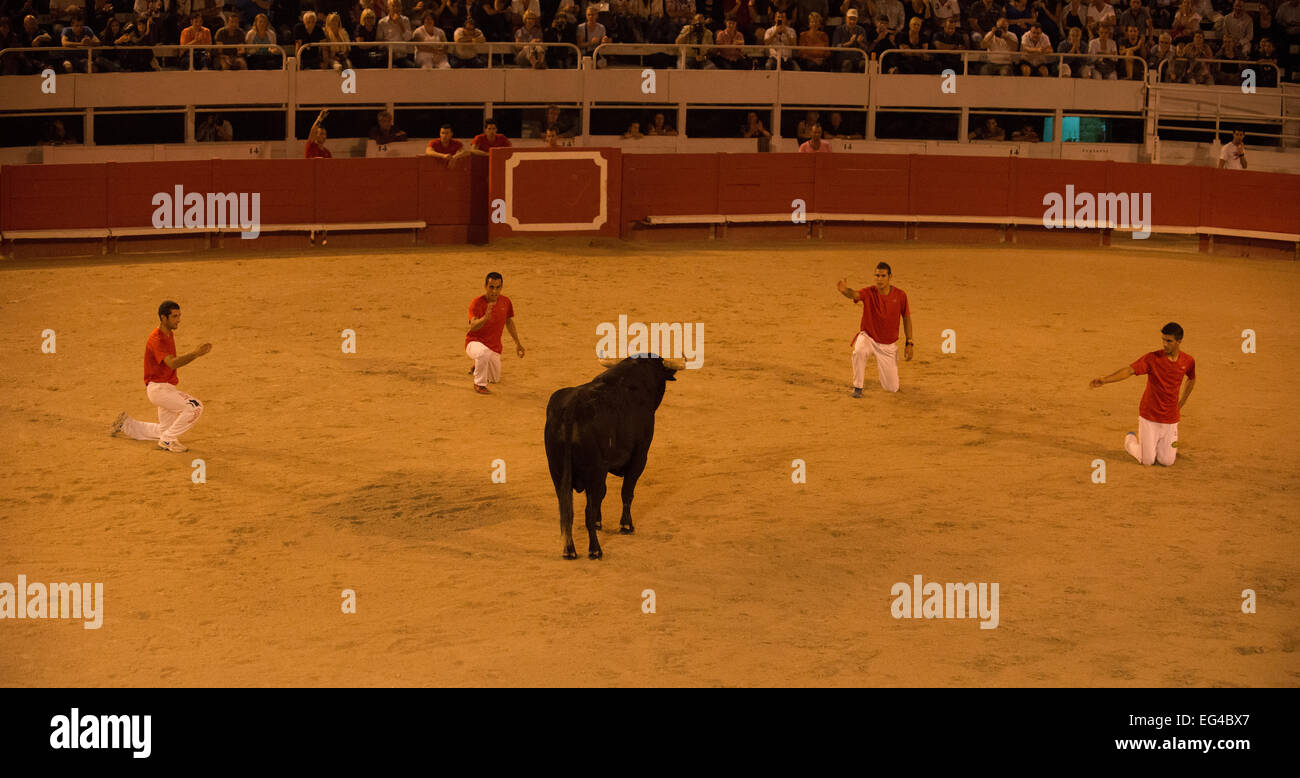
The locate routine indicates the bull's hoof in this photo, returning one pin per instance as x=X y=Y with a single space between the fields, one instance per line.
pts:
x=627 y=529
x=570 y=553
x=594 y=554
x=598 y=526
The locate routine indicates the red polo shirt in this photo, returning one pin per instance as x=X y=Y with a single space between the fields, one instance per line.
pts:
x=490 y=333
x=156 y=348
x=483 y=144
x=450 y=148
x=1164 y=378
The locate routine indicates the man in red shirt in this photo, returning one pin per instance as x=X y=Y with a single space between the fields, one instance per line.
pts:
x=489 y=139
x=882 y=307
x=446 y=147
x=177 y=411
x=488 y=314
x=1157 y=435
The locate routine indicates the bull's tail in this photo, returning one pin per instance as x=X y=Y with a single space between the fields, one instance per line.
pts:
x=566 y=469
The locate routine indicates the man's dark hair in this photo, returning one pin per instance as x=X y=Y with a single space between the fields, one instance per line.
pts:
x=1172 y=328
x=885 y=267
x=492 y=275
x=445 y=126
x=489 y=122
x=166 y=308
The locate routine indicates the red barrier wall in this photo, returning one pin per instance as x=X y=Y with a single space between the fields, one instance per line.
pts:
x=547 y=192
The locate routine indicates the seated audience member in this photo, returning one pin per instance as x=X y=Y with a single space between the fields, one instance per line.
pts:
x=698 y=39
x=754 y=127
x=491 y=17
x=892 y=10
x=214 y=129
x=658 y=127
x=1026 y=134
x=625 y=23
x=562 y=30
x=742 y=11
x=397 y=28
x=1099 y=13
x=1133 y=45
x=730 y=35
x=261 y=53
x=448 y=13
x=78 y=36
x=338 y=54
x=1191 y=62
x=1018 y=16
x=989 y=131
x=814 y=58
x=306 y=32
x=445 y=147
x=591 y=34
x=816 y=143
x=1035 y=46
x=633 y=132
x=1074 y=13
x=385 y=130
x=1072 y=66
x=552 y=138
x=999 y=42
x=470 y=50
x=29 y=37
x=1239 y=26
x=781 y=38
x=56 y=134
x=1266 y=58
x=850 y=35
x=915 y=40
x=317 y=136
x=430 y=56
x=1101 y=66
x=1162 y=52
x=803 y=130
x=1138 y=16
x=982 y=18
x=949 y=39
x=942 y=10
x=835 y=128
x=1229 y=73
x=562 y=121
x=231 y=35
x=489 y=139
x=1162 y=13
x=918 y=9
x=367 y=31
x=1186 y=22
x=530 y=56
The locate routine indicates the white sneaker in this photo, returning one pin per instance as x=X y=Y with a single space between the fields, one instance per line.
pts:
x=174 y=446
x=117 y=425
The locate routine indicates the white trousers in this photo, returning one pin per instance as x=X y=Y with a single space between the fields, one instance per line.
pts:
x=886 y=362
x=487 y=363
x=1154 y=443
x=177 y=412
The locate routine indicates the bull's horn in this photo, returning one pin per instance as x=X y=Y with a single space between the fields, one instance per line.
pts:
x=607 y=362
x=675 y=364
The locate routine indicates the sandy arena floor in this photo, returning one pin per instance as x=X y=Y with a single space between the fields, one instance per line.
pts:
x=372 y=472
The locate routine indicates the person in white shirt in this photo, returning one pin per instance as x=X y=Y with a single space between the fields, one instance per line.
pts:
x=1099 y=13
x=396 y=27
x=430 y=32
x=781 y=34
x=1101 y=45
x=999 y=39
x=1233 y=155
x=1035 y=44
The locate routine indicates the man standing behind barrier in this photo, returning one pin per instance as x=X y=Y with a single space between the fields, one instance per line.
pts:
x=489 y=313
x=882 y=307
x=177 y=411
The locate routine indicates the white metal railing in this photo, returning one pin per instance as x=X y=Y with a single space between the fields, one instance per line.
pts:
x=398 y=51
x=1190 y=62
x=49 y=56
x=1010 y=59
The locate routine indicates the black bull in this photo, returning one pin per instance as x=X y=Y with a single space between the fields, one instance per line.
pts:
x=604 y=426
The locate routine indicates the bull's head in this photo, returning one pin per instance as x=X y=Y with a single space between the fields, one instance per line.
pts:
x=670 y=366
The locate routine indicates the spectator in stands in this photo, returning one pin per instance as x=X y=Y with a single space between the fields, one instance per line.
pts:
x=1073 y=66
x=367 y=31
x=625 y=23
x=1266 y=75
x=530 y=56
x=836 y=129
x=803 y=131
x=1074 y=13
x=491 y=19
x=1162 y=52
x=814 y=58
x=489 y=139
x=1264 y=26
x=1026 y=133
x=445 y=147
x=1205 y=8
x=78 y=36
x=1228 y=73
x=1133 y=45
x=999 y=42
x=780 y=37
x=33 y=36
x=659 y=127
x=1100 y=13
x=562 y=30
x=1018 y=17
x=990 y=131
x=943 y=10
x=316 y=138
x=591 y=34
x=231 y=35
x=1101 y=66
x=429 y=55
x=1240 y=27
x=337 y=54
x=918 y=9
x=788 y=7
x=730 y=35
x=754 y=128
x=698 y=39
x=1162 y=13
x=56 y=135
x=1287 y=17
x=949 y=39
x=884 y=41
x=850 y=35
x=816 y=144
x=1186 y=22
x=571 y=10
x=740 y=11
x=113 y=34
x=397 y=28
x=1137 y=15
x=260 y=39
x=633 y=132
x=385 y=131
x=306 y=32
x=1035 y=46
x=913 y=40
x=448 y=13
x=214 y=129
x=551 y=137
x=892 y=10
x=561 y=120
x=1046 y=18
x=1233 y=155
x=982 y=19
x=1191 y=60
x=470 y=49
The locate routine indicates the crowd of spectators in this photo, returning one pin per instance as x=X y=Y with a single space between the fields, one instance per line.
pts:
x=1065 y=38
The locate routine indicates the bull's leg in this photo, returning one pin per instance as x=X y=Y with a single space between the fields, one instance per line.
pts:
x=595 y=493
x=633 y=472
